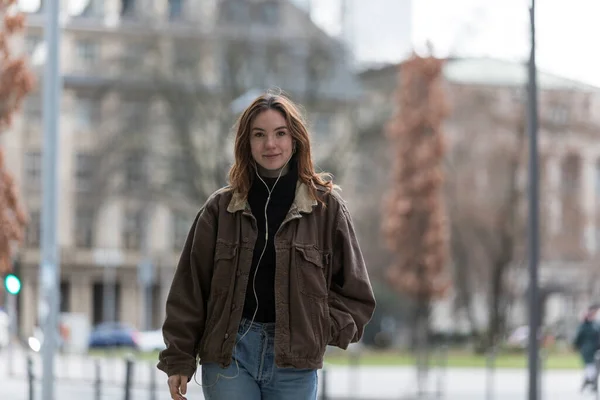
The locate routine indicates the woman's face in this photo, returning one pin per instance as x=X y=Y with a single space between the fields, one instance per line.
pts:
x=270 y=143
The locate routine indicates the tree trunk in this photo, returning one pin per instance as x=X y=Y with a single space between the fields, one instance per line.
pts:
x=421 y=334
x=462 y=282
x=498 y=308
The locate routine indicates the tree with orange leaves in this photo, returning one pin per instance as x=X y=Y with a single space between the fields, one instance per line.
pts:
x=415 y=223
x=15 y=83
x=414 y=215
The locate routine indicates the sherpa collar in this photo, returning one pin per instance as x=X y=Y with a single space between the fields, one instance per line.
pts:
x=302 y=200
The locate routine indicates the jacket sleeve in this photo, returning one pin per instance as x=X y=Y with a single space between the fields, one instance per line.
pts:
x=351 y=299
x=577 y=339
x=186 y=302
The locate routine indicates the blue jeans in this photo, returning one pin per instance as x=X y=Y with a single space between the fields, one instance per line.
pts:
x=258 y=376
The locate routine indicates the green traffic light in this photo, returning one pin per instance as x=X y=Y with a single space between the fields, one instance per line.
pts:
x=12 y=284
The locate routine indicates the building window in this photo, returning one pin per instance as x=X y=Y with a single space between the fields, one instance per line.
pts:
x=268 y=13
x=132 y=230
x=106 y=302
x=175 y=9
x=133 y=56
x=559 y=114
x=94 y=8
x=236 y=11
x=571 y=215
x=179 y=177
x=571 y=168
x=134 y=112
x=180 y=230
x=32 y=232
x=84 y=228
x=319 y=66
x=586 y=106
x=186 y=57
x=135 y=177
x=278 y=57
x=127 y=8
x=84 y=172
x=84 y=112
x=33 y=170
x=65 y=296
x=87 y=52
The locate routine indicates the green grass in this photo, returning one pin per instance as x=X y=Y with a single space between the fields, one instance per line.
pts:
x=122 y=353
x=457 y=359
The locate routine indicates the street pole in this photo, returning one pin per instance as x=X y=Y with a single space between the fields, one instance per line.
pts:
x=11 y=303
x=533 y=218
x=50 y=257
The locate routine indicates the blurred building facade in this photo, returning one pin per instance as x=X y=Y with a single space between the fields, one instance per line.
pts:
x=570 y=173
x=107 y=47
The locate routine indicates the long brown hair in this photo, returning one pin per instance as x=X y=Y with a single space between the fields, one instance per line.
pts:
x=241 y=174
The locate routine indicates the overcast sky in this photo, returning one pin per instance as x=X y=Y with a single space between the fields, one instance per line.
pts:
x=383 y=29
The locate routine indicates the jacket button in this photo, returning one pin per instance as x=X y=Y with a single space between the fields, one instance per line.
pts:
x=227 y=336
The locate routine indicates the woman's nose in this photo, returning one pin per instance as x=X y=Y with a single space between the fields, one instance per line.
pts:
x=270 y=141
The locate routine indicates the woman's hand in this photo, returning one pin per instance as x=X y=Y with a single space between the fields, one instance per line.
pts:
x=178 y=386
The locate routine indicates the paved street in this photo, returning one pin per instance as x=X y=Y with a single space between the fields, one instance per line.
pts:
x=76 y=382
x=374 y=383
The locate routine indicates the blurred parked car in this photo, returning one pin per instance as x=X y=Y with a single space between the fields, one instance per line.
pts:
x=114 y=334
x=519 y=338
x=151 y=341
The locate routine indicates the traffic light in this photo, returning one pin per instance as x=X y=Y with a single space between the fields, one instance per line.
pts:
x=12 y=284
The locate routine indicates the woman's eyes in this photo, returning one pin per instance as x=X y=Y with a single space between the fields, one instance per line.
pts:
x=261 y=134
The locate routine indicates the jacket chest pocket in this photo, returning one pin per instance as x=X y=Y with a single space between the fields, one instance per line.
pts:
x=311 y=271
x=223 y=267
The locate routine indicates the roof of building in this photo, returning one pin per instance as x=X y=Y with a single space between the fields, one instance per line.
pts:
x=492 y=71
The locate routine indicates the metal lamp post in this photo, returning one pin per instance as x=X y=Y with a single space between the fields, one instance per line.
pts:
x=534 y=246
x=50 y=256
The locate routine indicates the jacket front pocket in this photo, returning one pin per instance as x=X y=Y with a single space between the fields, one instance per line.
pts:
x=311 y=272
x=223 y=267
x=214 y=325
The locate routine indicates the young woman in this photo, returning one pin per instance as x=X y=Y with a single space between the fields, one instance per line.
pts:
x=271 y=272
x=587 y=342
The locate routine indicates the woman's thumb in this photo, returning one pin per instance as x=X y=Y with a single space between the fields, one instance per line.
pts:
x=183 y=384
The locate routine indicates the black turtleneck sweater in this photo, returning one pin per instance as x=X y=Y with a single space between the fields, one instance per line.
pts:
x=282 y=197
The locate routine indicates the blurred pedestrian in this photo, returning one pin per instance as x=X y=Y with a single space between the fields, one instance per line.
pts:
x=271 y=272
x=587 y=342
